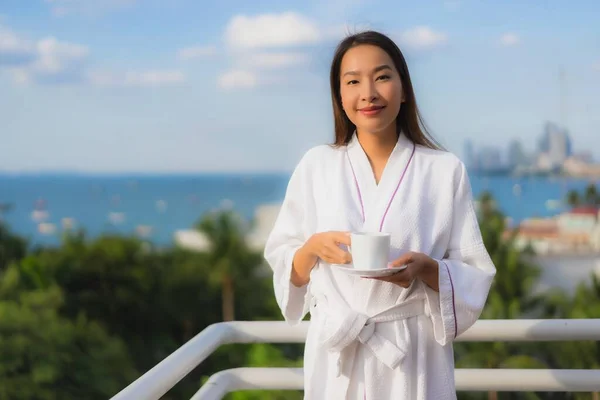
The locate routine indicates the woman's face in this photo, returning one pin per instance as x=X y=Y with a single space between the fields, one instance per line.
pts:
x=370 y=88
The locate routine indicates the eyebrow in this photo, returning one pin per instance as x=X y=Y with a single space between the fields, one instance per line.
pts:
x=377 y=69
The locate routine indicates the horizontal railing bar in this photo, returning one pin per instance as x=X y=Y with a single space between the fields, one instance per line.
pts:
x=162 y=377
x=527 y=380
x=532 y=330
x=498 y=380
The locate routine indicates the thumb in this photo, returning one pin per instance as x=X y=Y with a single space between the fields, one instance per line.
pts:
x=402 y=260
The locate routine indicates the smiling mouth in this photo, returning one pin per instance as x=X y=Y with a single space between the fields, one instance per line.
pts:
x=371 y=111
x=372 y=108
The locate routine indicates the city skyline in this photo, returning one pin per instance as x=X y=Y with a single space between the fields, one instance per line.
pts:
x=554 y=151
x=243 y=87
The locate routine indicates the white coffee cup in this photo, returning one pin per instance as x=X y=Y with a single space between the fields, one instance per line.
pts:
x=370 y=250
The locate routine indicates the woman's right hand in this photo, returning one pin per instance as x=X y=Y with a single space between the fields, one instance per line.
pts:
x=326 y=246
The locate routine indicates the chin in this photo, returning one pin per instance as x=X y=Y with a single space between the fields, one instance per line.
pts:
x=375 y=126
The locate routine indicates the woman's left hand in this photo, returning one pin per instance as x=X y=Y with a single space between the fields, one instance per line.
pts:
x=418 y=265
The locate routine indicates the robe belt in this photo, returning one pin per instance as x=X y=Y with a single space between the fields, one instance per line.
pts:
x=354 y=327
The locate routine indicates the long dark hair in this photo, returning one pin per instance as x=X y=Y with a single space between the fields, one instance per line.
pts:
x=409 y=120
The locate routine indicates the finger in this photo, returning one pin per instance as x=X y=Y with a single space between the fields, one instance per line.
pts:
x=342 y=238
x=398 y=277
x=404 y=259
x=339 y=254
x=335 y=256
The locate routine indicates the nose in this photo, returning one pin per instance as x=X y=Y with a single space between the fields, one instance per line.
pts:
x=369 y=93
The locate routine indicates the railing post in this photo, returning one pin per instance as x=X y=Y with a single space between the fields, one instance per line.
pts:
x=166 y=374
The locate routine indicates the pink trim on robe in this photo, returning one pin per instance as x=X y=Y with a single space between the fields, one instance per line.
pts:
x=453 y=301
x=362 y=207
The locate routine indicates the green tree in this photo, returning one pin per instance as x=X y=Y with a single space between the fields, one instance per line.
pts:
x=229 y=258
x=266 y=355
x=510 y=297
x=591 y=195
x=45 y=356
x=154 y=301
x=573 y=198
x=12 y=247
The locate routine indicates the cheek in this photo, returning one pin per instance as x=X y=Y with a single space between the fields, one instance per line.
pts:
x=393 y=94
x=348 y=101
x=346 y=98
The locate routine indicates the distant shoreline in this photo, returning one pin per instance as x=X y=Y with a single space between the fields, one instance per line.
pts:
x=5 y=174
x=548 y=175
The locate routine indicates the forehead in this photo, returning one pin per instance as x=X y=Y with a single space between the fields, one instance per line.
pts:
x=364 y=58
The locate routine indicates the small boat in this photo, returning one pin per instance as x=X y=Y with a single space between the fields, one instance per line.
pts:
x=116 y=217
x=517 y=190
x=161 y=206
x=553 y=204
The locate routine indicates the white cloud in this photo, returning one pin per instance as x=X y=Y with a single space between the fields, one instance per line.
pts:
x=274 y=60
x=250 y=36
x=248 y=66
x=237 y=79
x=48 y=60
x=55 y=56
x=61 y=8
x=136 y=79
x=190 y=53
x=510 y=39
x=14 y=50
x=422 y=38
x=270 y=30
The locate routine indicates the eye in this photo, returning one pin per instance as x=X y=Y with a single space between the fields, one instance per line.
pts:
x=352 y=82
x=384 y=77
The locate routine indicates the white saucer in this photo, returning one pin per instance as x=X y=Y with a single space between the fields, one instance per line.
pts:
x=370 y=273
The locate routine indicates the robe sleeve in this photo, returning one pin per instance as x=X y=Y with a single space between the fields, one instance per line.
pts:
x=289 y=233
x=466 y=271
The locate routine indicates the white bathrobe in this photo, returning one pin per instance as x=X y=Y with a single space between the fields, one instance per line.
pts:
x=367 y=338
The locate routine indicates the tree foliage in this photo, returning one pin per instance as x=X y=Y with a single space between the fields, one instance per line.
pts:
x=86 y=318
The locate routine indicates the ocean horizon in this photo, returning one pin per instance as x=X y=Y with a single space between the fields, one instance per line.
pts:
x=156 y=205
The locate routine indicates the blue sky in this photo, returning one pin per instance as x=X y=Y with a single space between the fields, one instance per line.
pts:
x=186 y=86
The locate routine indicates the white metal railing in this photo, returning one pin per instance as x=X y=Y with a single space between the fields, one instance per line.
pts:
x=161 y=378
x=514 y=380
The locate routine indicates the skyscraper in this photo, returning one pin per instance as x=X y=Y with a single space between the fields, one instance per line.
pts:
x=516 y=154
x=555 y=143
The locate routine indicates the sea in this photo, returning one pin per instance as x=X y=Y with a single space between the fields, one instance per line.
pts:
x=41 y=207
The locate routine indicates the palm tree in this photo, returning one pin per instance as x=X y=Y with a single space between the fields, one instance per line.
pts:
x=487 y=204
x=573 y=198
x=229 y=257
x=591 y=196
x=510 y=297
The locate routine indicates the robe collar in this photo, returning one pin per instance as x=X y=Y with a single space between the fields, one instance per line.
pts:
x=374 y=197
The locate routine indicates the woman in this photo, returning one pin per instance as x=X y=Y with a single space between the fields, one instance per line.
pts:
x=391 y=337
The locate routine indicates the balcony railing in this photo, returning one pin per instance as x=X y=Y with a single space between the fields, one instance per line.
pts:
x=166 y=374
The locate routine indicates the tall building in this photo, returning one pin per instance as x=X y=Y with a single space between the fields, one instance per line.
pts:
x=516 y=155
x=490 y=158
x=555 y=144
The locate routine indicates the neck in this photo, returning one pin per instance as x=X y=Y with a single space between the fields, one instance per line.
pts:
x=378 y=146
